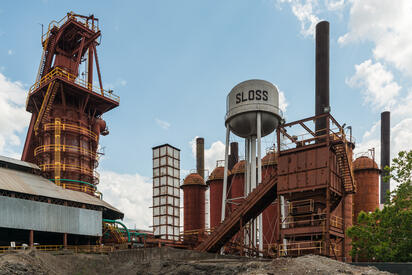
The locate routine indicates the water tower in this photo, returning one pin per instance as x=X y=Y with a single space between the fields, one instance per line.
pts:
x=252 y=113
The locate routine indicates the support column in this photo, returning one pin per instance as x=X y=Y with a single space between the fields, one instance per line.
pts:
x=224 y=196
x=259 y=177
x=65 y=240
x=31 y=238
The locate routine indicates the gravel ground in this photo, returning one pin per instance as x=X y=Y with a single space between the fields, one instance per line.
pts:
x=33 y=262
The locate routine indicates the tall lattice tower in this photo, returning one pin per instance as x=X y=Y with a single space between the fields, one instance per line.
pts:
x=66 y=107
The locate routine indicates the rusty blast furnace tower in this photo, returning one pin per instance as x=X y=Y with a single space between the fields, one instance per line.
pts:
x=66 y=107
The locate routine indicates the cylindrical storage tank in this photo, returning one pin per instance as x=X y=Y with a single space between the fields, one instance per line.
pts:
x=270 y=214
x=366 y=197
x=215 y=183
x=237 y=185
x=194 y=189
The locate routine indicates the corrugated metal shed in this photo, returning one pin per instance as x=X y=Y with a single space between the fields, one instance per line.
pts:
x=16 y=162
x=26 y=183
x=47 y=217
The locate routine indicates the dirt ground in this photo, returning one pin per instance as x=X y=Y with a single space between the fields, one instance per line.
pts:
x=34 y=262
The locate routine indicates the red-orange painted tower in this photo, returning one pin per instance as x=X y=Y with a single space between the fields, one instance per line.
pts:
x=215 y=182
x=237 y=185
x=270 y=214
x=66 y=107
x=367 y=178
x=194 y=189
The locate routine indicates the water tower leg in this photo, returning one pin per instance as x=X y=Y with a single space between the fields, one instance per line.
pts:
x=253 y=181
x=259 y=177
x=247 y=185
x=224 y=196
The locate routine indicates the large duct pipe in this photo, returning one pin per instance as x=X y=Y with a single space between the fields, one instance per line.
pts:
x=234 y=155
x=200 y=157
x=385 y=151
x=322 y=75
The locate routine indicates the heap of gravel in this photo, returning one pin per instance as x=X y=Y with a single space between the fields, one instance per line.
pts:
x=34 y=262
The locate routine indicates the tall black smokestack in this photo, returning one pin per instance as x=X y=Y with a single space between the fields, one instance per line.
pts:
x=200 y=156
x=322 y=75
x=385 y=151
x=234 y=155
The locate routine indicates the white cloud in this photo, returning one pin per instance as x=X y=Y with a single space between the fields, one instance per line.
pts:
x=306 y=14
x=10 y=52
x=387 y=24
x=283 y=103
x=212 y=154
x=334 y=5
x=377 y=84
x=13 y=116
x=131 y=194
x=163 y=124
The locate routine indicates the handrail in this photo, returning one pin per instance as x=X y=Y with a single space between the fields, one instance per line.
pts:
x=72 y=128
x=59 y=72
x=124 y=226
x=64 y=148
x=59 y=23
x=69 y=167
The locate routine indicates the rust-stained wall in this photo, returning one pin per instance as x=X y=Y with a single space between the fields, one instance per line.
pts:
x=367 y=179
x=193 y=203
x=307 y=169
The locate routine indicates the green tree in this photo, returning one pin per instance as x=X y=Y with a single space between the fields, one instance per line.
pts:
x=386 y=235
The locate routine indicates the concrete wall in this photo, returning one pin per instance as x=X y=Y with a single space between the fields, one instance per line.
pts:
x=165 y=253
x=40 y=216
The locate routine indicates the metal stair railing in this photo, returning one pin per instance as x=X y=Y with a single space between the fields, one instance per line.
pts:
x=46 y=104
x=345 y=167
x=257 y=201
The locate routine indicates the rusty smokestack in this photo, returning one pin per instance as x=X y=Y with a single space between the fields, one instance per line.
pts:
x=200 y=157
x=322 y=75
x=385 y=151
x=234 y=155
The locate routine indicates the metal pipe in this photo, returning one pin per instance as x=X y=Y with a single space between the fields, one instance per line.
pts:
x=385 y=152
x=322 y=75
x=222 y=216
x=234 y=154
x=124 y=226
x=200 y=156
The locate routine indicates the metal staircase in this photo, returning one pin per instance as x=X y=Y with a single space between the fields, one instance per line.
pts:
x=254 y=204
x=46 y=105
x=345 y=167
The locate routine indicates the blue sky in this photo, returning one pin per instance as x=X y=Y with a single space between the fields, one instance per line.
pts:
x=173 y=62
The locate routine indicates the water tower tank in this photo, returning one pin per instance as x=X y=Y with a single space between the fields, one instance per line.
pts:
x=243 y=103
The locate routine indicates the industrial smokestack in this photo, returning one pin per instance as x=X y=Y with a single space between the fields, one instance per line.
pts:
x=385 y=151
x=234 y=155
x=322 y=75
x=200 y=157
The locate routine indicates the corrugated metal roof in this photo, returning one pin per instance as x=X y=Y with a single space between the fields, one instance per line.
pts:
x=21 y=182
x=19 y=162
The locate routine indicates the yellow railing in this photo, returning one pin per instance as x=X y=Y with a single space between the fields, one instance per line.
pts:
x=71 y=128
x=59 y=72
x=336 y=221
x=69 y=167
x=300 y=247
x=304 y=220
x=79 y=187
x=65 y=148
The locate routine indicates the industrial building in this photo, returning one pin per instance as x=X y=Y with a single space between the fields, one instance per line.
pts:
x=299 y=198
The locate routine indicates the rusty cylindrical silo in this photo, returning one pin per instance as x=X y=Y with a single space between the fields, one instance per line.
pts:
x=194 y=189
x=237 y=185
x=270 y=214
x=367 y=180
x=215 y=183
